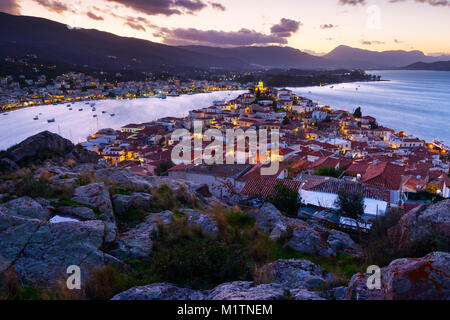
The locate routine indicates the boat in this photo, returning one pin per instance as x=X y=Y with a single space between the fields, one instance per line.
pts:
x=81 y=109
x=70 y=108
x=93 y=109
x=331 y=87
x=5 y=114
x=36 y=118
x=95 y=116
x=68 y=105
x=103 y=111
x=51 y=120
x=112 y=114
x=92 y=104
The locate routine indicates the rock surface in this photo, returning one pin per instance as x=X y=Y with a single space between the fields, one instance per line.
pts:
x=426 y=278
x=320 y=241
x=137 y=242
x=421 y=222
x=40 y=252
x=203 y=221
x=270 y=220
x=159 y=291
x=137 y=200
x=27 y=207
x=247 y=290
x=296 y=274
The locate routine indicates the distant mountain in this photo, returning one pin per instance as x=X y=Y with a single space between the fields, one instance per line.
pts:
x=53 y=41
x=21 y=35
x=266 y=57
x=352 y=57
x=436 y=66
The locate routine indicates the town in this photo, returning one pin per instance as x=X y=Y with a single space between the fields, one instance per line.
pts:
x=38 y=87
x=321 y=151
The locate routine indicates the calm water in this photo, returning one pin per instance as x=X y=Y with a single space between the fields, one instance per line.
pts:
x=417 y=102
x=77 y=125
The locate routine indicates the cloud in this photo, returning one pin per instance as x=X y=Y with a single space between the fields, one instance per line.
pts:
x=137 y=23
x=327 y=26
x=434 y=3
x=285 y=28
x=54 y=5
x=243 y=37
x=217 y=6
x=9 y=6
x=352 y=2
x=368 y=43
x=93 y=16
x=164 y=7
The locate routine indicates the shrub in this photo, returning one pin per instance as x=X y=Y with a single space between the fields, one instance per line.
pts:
x=163 y=168
x=105 y=283
x=286 y=199
x=240 y=219
x=37 y=188
x=329 y=172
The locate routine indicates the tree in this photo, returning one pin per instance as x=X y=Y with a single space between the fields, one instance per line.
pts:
x=286 y=199
x=327 y=171
x=163 y=167
x=350 y=204
x=357 y=113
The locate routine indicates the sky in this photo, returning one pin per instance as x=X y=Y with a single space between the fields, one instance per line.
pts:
x=316 y=26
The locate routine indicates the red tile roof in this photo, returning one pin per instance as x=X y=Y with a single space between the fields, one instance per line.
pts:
x=265 y=186
x=384 y=175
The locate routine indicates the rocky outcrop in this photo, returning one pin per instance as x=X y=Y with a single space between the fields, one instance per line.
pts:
x=303 y=294
x=296 y=274
x=160 y=291
x=41 y=146
x=81 y=213
x=426 y=278
x=338 y=293
x=40 y=252
x=421 y=222
x=137 y=200
x=271 y=220
x=27 y=207
x=82 y=155
x=247 y=290
x=123 y=178
x=320 y=241
x=137 y=242
x=205 y=222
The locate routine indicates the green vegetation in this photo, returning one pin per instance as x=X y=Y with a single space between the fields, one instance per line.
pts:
x=163 y=168
x=357 y=113
x=41 y=187
x=350 y=204
x=67 y=202
x=329 y=172
x=286 y=199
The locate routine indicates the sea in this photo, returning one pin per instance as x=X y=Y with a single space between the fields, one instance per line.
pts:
x=417 y=102
x=77 y=125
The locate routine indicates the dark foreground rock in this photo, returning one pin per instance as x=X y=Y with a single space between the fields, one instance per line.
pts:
x=421 y=222
x=247 y=290
x=295 y=274
x=426 y=278
x=160 y=291
x=40 y=252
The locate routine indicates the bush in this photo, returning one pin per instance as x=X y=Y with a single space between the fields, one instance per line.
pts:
x=329 y=172
x=286 y=199
x=105 y=283
x=37 y=188
x=163 y=167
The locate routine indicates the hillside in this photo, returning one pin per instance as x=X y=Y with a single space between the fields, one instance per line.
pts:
x=435 y=66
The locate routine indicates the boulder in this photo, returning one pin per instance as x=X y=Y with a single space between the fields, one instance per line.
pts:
x=159 y=291
x=82 y=155
x=123 y=178
x=27 y=207
x=269 y=219
x=42 y=146
x=96 y=195
x=247 y=290
x=320 y=241
x=203 y=221
x=137 y=242
x=421 y=222
x=303 y=294
x=81 y=213
x=296 y=274
x=137 y=200
x=40 y=252
x=338 y=293
x=426 y=278
x=7 y=165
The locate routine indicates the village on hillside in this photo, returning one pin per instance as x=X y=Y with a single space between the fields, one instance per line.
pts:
x=322 y=151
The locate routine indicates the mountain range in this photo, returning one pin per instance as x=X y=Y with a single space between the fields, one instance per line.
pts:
x=53 y=41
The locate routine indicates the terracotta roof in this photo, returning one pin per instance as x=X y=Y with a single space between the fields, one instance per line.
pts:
x=384 y=175
x=265 y=186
